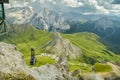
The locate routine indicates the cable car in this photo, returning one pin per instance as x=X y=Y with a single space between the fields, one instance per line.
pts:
x=2 y=16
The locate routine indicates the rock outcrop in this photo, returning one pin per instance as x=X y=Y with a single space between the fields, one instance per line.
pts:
x=60 y=46
x=114 y=74
x=13 y=67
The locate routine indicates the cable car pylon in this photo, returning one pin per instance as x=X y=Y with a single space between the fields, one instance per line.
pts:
x=3 y=26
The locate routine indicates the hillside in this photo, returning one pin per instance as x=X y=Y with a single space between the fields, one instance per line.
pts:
x=13 y=67
x=108 y=29
x=93 y=48
x=54 y=18
x=59 y=45
x=26 y=37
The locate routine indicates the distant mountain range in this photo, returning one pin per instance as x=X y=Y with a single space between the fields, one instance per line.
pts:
x=45 y=19
x=50 y=19
x=69 y=44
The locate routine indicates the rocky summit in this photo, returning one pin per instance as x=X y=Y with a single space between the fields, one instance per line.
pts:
x=59 y=46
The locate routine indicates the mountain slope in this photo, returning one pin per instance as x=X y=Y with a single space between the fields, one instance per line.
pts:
x=60 y=46
x=107 y=29
x=44 y=19
x=93 y=49
x=13 y=67
x=26 y=37
x=19 y=15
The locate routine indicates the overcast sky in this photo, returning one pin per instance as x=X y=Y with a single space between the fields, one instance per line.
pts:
x=83 y=6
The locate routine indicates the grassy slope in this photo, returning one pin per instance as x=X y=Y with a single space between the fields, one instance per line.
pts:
x=93 y=49
x=27 y=37
x=91 y=46
x=98 y=67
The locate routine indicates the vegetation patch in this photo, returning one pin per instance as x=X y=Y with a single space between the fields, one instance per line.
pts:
x=41 y=60
x=15 y=76
x=26 y=37
x=83 y=67
x=92 y=47
x=99 y=67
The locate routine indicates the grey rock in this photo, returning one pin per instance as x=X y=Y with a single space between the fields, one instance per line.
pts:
x=60 y=46
x=12 y=63
x=13 y=66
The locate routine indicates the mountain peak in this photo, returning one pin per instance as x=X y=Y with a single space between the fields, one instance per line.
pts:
x=60 y=46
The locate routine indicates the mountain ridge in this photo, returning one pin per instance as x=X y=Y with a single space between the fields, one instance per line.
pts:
x=60 y=45
x=91 y=55
x=89 y=43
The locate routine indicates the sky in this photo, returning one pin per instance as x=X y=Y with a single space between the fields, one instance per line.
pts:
x=85 y=7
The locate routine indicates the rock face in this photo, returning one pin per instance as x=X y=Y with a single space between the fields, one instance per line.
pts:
x=49 y=20
x=19 y=15
x=12 y=64
x=115 y=74
x=49 y=72
x=93 y=77
x=13 y=67
x=43 y=19
x=60 y=46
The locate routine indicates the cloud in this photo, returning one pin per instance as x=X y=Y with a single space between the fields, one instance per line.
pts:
x=116 y=2
x=78 y=6
x=14 y=3
x=93 y=6
x=102 y=7
x=72 y=3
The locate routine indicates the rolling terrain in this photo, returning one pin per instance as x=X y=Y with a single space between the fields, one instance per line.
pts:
x=92 y=50
x=72 y=40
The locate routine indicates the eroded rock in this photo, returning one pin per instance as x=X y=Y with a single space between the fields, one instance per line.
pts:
x=60 y=46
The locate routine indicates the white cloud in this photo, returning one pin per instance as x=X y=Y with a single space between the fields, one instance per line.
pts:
x=72 y=3
x=79 y=6
x=92 y=6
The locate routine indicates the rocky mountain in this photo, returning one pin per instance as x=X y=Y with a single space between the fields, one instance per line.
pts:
x=19 y=15
x=50 y=20
x=108 y=29
x=44 y=19
x=49 y=15
x=12 y=63
x=14 y=67
x=91 y=54
x=60 y=46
